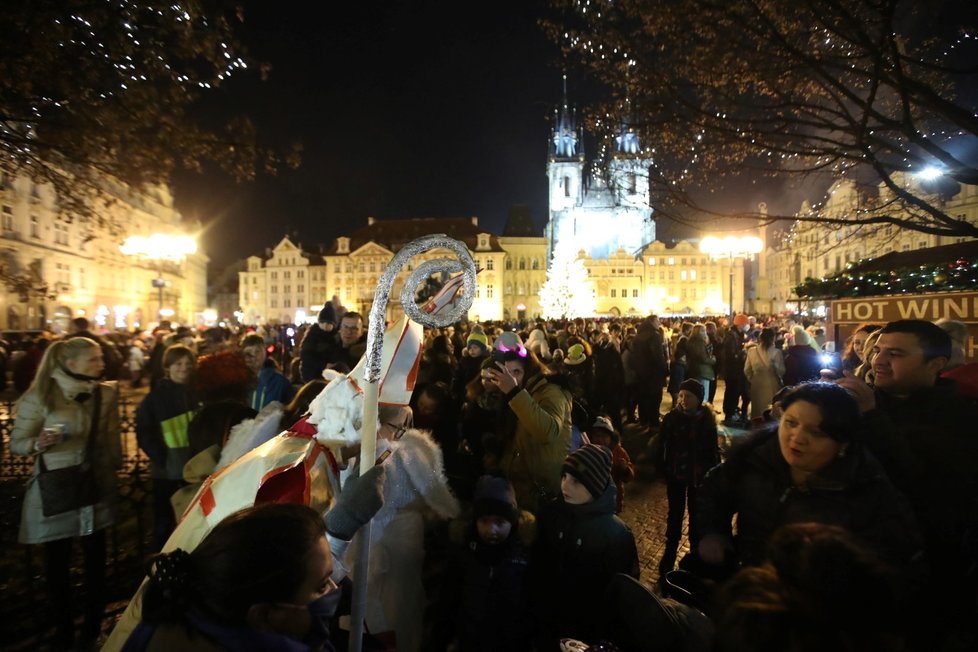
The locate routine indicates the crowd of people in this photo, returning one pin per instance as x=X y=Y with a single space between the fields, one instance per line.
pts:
x=847 y=518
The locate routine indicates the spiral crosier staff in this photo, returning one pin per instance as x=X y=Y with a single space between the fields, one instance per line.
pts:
x=375 y=345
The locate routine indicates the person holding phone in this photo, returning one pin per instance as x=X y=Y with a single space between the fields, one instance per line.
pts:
x=540 y=441
x=68 y=417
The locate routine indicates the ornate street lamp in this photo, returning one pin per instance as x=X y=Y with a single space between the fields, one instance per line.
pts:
x=731 y=247
x=160 y=247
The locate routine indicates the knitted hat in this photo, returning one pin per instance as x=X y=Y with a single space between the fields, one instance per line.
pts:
x=741 y=320
x=494 y=496
x=327 y=314
x=575 y=355
x=694 y=387
x=591 y=466
x=478 y=338
x=604 y=423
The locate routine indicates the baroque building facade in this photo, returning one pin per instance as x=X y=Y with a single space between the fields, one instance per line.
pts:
x=76 y=267
x=291 y=283
x=813 y=250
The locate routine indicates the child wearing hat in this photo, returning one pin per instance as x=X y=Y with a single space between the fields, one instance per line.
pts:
x=580 y=546
x=685 y=449
x=603 y=433
x=473 y=355
x=484 y=597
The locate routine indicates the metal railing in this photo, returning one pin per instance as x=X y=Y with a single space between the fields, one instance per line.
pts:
x=22 y=593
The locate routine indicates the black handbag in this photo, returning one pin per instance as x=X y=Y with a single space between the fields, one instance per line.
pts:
x=71 y=487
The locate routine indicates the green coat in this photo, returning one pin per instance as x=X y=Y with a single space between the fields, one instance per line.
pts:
x=533 y=458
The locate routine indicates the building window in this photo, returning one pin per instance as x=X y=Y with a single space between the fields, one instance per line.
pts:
x=614 y=293
x=651 y=261
x=287 y=303
x=286 y=274
x=566 y=186
x=274 y=276
x=509 y=288
x=624 y=293
x=672 y=275
x=300 y=288
x=60 y=233
x=522 y=263
x=634 y=293
x=287 y=289
x=682 y=261
x=300 y=274
x=509 y=263
x=521 y=289
x=35 y=227
x=922 y=244
x=274 y=289
x=682 y=275
x=672 y=261
x=534 y=263
x=488 y=291
x=490 y=264
x=274 y=303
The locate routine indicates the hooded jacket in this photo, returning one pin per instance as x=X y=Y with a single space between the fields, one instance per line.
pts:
x=579 y=548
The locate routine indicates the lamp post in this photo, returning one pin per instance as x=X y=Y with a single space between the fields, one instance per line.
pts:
x=160 y=247
x=731 y=247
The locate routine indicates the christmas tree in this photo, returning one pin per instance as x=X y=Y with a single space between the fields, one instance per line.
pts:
x=568 y=292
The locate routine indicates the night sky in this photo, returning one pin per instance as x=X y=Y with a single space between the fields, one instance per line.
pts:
x=409 y=109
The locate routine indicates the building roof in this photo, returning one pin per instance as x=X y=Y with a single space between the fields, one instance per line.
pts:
x=394 y=234
x=519 y=223
x=918 y=257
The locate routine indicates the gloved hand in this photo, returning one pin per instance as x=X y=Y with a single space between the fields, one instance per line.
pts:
x=360 y=499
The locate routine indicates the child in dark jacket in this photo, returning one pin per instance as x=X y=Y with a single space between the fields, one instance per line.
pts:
x=580 y=546
x=688 y=449
x=484 y=601
x=603 y=433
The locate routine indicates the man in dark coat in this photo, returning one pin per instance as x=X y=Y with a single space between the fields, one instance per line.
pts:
x=316 y=345
x=736 y=390
x=609 y=380
x=649 y=361
x=922 y=431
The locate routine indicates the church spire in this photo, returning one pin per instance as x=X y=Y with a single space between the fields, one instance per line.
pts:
x=565 y=138
x=626 y=142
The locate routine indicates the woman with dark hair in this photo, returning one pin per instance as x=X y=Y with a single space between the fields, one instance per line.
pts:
x=438 y=362
x=162 y=420
x=68 y=418
x=533 y=456
x=811 y=467
x=260 y=580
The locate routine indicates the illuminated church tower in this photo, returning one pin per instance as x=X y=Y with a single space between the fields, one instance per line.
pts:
x=597 y=214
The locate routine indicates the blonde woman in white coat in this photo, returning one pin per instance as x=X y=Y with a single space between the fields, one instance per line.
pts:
x=764 y=369
x=54 y=420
